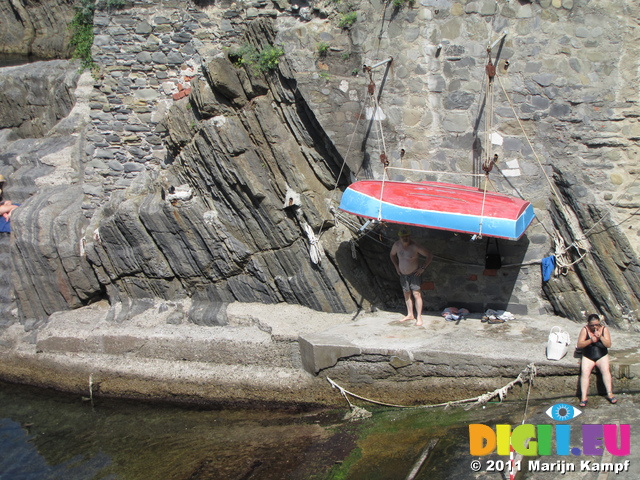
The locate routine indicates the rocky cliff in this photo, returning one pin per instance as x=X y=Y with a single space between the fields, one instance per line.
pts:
x=36 y=28
x=179 y=174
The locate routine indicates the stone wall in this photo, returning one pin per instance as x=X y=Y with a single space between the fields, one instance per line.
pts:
x=564 y=121
x=189 y=163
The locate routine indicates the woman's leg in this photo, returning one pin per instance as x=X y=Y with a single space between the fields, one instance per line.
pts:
x=605 y=369
x=586 y=367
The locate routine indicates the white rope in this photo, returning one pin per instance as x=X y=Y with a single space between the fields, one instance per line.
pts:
x=561 y=249
x=614 y=205
x=377 y=117
x=562 y=264
x=332 y=198
x=384 y=177
x=488 y=130
x=560 y=253
x=526 y=375
x=436 y=172
x=315 y=249
x=526 y=405
x=344 y=160
x=484 y=197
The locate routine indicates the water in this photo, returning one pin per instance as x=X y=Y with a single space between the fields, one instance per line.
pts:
x=45 y=435
x=48 y=435
x=12 y=60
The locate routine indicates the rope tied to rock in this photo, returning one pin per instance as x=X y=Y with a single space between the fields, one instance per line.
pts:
x=525 y=376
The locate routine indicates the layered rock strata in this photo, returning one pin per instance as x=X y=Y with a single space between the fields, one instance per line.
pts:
x=37 y=29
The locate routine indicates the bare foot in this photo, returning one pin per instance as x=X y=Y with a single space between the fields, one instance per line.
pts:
x=419 y=323
x=408 y=317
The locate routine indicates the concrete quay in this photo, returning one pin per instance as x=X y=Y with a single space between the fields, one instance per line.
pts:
x=283 y=354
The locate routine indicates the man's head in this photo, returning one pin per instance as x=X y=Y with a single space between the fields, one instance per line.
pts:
x=404 y=234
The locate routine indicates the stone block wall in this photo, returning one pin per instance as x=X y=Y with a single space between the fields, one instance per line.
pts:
x=562 y=114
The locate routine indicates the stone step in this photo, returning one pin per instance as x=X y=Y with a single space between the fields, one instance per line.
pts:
x=229 y=345
x=161 y=379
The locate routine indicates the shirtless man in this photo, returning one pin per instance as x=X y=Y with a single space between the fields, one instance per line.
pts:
x=405 y=255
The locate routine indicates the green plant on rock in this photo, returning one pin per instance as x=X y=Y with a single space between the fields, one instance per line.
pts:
x=402 y=3
x=81 y=27
x=260 y=60
x=348 y=19
x=323 y=48
x=115 y=4
x=246 y=55
x=269 y=57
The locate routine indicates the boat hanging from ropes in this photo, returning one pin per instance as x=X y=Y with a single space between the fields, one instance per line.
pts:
x=443 y=206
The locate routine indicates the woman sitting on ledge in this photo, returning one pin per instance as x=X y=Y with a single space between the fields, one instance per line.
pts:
x=6 y=208
x=595 y=341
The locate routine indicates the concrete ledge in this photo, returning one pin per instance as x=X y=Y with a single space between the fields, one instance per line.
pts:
x=283 y=354
x=322 y=351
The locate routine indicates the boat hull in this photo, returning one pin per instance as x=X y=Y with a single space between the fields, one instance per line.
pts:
x=441 y=206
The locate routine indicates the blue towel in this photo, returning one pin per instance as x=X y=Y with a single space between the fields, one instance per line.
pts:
x=548 y=266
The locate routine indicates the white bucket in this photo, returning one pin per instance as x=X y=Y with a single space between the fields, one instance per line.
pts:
x=558 y=343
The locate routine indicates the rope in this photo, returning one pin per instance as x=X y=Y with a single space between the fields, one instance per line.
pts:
x=379 y=125
x=560 y=253
x=527 y=375
x=563 y=265
x=384 y=178
x=615 y=205
x=356 y=228
x=332 y=199
x=436 y=172
x=561 y=249
x=315 y=248
x=380 y=136
x=484 y=197
x=526 y=405
x=489 y=96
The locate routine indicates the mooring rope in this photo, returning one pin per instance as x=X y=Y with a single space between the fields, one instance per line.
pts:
x=527 y=375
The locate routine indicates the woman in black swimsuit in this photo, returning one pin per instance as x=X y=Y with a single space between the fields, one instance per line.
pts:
x=594 y=340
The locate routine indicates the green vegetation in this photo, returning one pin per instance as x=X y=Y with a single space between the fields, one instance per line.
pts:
x=324 y=75
x=269 y=57
x=259 y=60
x=323 y=48
x=391 y=440
x=348 y=19
x=115 y=4
x=82 y=33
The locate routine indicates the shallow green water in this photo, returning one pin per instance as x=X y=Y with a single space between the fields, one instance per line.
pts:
x=47 y=435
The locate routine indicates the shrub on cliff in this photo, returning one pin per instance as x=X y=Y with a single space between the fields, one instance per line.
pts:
x=82 y=33
x=259 y=60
